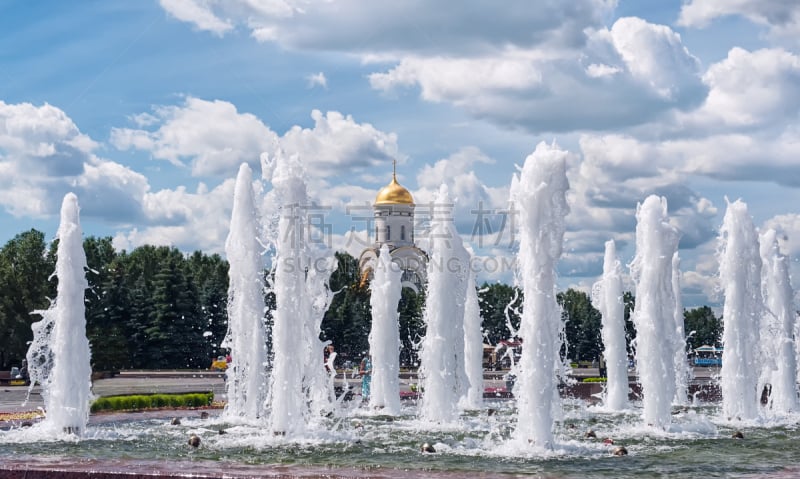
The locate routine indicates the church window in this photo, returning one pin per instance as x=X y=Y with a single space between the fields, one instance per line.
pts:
x=402 y=232
x=388 y=233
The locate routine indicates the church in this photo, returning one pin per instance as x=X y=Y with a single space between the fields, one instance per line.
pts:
x=393 y=212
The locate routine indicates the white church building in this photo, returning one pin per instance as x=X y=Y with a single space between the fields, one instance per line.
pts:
x=394 y=226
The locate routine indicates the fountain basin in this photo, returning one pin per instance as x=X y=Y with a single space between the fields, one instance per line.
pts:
x=362 y=443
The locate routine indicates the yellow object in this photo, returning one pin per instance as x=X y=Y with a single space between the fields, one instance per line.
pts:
x=394 y=194
x=219 y=365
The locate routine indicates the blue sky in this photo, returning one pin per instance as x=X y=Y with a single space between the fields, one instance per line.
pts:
x=146 y=109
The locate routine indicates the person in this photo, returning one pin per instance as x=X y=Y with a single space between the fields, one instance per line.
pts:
x=365 y=370
x=602 y=369
x=328 y=356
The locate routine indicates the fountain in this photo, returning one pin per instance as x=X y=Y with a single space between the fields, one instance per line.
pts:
x=246 y=337
x=782 y=318
x=740 y=280
x=679 y=356
x=317 y=382
x=58 y=358
x=384 y=337
x=300 y=431
x=473 y=347
x=538 y=194
x=607 y=294
x=299 y=391
x=654 y=315
x=444 y=379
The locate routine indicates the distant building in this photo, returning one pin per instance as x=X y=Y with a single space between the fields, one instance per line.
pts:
x=394 y=226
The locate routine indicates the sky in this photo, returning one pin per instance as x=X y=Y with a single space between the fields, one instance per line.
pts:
x=147 y=109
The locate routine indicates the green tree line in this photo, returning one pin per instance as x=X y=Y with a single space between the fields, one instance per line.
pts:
x=151 y=308
x=158 y=308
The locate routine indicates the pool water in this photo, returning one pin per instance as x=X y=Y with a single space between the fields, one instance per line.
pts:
x=360 y=443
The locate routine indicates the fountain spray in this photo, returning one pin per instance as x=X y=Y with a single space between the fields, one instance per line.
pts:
x=740 y=279
x=682 y=373
x=286 y=398
x=778 y=293
x=384 y=337
x=538 y=195
x=59 y=357
x=608 y=296
x=473 y=347
x=247 y=377
x=442 y=356
x=654 y=315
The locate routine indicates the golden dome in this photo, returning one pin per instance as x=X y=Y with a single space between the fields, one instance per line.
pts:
x=394 y=194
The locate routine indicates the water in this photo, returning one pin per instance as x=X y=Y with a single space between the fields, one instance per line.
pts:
x=607 y=295
x=300 y=390
x=286 y=393
x=538 y=194
x=473 y=347
x=303 y=428
x=654 y=315
x=681 y=365
x=59 y=356
x=246 y=376
x=384 y=337
x=444 y=378
x=740 y=280
x=781 y=317
x=365 y=445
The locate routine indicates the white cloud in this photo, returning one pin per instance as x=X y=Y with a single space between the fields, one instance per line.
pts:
x=398 y=27
x=43 y=156
x=782 y=17
x=655 y=56
x=459 y=79
x=599 y=70
x=751 y=89
x=317 y=79
x=41 y=141
x=477 y=205
x=185 y=220
x=633 y=73
x=616 y=172
x=215 y=138
x=197 y=13
x=337 y=143
x=111 y=191
x=212 y=135
x=548 y=69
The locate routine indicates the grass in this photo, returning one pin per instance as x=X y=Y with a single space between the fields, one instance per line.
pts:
x=138 y=402
x=594 y=380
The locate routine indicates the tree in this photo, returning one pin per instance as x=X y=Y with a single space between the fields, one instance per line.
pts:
x=25 y=286
x=175 y=332
x=702 y=327
x=106 y=305
x=582 y=325
x=138 y=322
x=346 y=323
x=108 y=322
x=209 y=274
x=630 y=328
x=500 y=303
x=412 y=326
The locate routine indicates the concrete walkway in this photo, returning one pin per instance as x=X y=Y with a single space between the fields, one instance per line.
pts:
x=12 y=398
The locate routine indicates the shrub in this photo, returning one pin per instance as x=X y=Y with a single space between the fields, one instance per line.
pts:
x=150 y=401
x=594 y=380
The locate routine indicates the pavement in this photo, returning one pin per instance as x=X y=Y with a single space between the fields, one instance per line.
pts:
x=13 y=398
